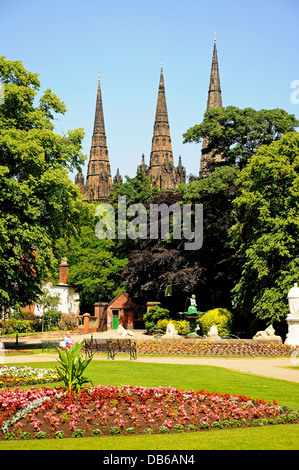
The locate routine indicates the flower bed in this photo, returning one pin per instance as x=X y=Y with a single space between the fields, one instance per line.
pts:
x=206 y=348
x=104 y=410
x=11 y=376
x=15 y=352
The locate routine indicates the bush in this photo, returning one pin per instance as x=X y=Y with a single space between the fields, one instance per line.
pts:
x=152 y=317
x=219 y=317
x=52 y=319
x=182 y=326
x=68 y=321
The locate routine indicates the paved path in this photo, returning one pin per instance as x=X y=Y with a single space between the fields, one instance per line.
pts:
x=280 y=368
x=277 y=368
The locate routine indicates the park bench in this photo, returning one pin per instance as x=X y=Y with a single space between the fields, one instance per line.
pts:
x=111 y=346
x=50 y=344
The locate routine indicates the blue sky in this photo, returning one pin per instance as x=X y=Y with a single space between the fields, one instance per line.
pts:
x=69 y=42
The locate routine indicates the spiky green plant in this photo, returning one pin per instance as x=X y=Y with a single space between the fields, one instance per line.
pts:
x=71 y=367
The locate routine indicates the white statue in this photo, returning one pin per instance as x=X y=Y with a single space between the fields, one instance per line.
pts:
x=170 y=330
x=121 y=331
x=193 y=301
x=293 y=298
x=269 y=332
x=292 y=319
x=213 y=332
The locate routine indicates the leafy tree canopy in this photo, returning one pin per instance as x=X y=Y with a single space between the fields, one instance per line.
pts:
x=96 y=267
x=266 y=229
x=38 y=202
x=236 y=134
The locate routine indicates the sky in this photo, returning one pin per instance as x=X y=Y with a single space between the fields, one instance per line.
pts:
x=69 y=42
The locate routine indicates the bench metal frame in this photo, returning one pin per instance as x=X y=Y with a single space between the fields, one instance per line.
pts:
x=46 y=345
x=111 y=346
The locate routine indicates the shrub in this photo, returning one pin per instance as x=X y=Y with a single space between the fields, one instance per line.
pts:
x=14 y=325
x=68 y=321
x=130 y=430
x=182 y=326
x=148 y=431
x=115 y=430
x=152 y=317
x=78 y=433
x=219 y=317
x=52 y=319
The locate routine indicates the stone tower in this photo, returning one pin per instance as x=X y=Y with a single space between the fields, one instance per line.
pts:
x=98 y=181
x=214 y=101
x=161 y=170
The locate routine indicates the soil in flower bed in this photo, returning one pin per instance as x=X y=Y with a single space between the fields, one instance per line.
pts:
x=103 y=410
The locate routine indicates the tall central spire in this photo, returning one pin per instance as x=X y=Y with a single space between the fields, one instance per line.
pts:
x=161 y=169
x=161 y=142
x=208 y=160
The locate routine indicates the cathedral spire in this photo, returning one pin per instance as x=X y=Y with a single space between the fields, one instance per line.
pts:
x=98 y=180
x=161 y=143
x=99 y=126
x=161 y=169
x=207 y=162
x=214 y=96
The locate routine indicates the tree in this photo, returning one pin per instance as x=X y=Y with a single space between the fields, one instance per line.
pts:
x=155 y=264
x=96 y=267
x=38 y=201
x=236 y=134
x=136 y=190
x=219 y=266
x=266 y=230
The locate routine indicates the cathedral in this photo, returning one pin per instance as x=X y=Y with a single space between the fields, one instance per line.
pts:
x=161 y=170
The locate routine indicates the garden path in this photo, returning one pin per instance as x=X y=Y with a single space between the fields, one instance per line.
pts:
x=277 y=368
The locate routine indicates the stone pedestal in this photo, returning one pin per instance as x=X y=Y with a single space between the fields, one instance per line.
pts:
x=293 y=331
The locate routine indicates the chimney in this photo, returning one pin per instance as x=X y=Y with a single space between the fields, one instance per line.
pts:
x=63 y=271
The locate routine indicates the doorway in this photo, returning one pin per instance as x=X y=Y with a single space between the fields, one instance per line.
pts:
x=115 y=320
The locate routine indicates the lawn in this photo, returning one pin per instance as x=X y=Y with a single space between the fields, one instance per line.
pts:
x=212 y=379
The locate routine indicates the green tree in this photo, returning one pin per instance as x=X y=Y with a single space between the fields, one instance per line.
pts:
x=219 y=266
x=236 y=133
x=38 y=201
x=266 y=230
x=136 y=190
x=96 y=267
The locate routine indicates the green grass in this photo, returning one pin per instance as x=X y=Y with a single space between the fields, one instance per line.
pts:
x=212 y=379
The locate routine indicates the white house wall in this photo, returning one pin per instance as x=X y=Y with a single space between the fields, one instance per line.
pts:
x=68 y=299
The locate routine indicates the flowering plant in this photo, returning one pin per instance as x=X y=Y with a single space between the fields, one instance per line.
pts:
x=12 y=375
x=105 y=410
